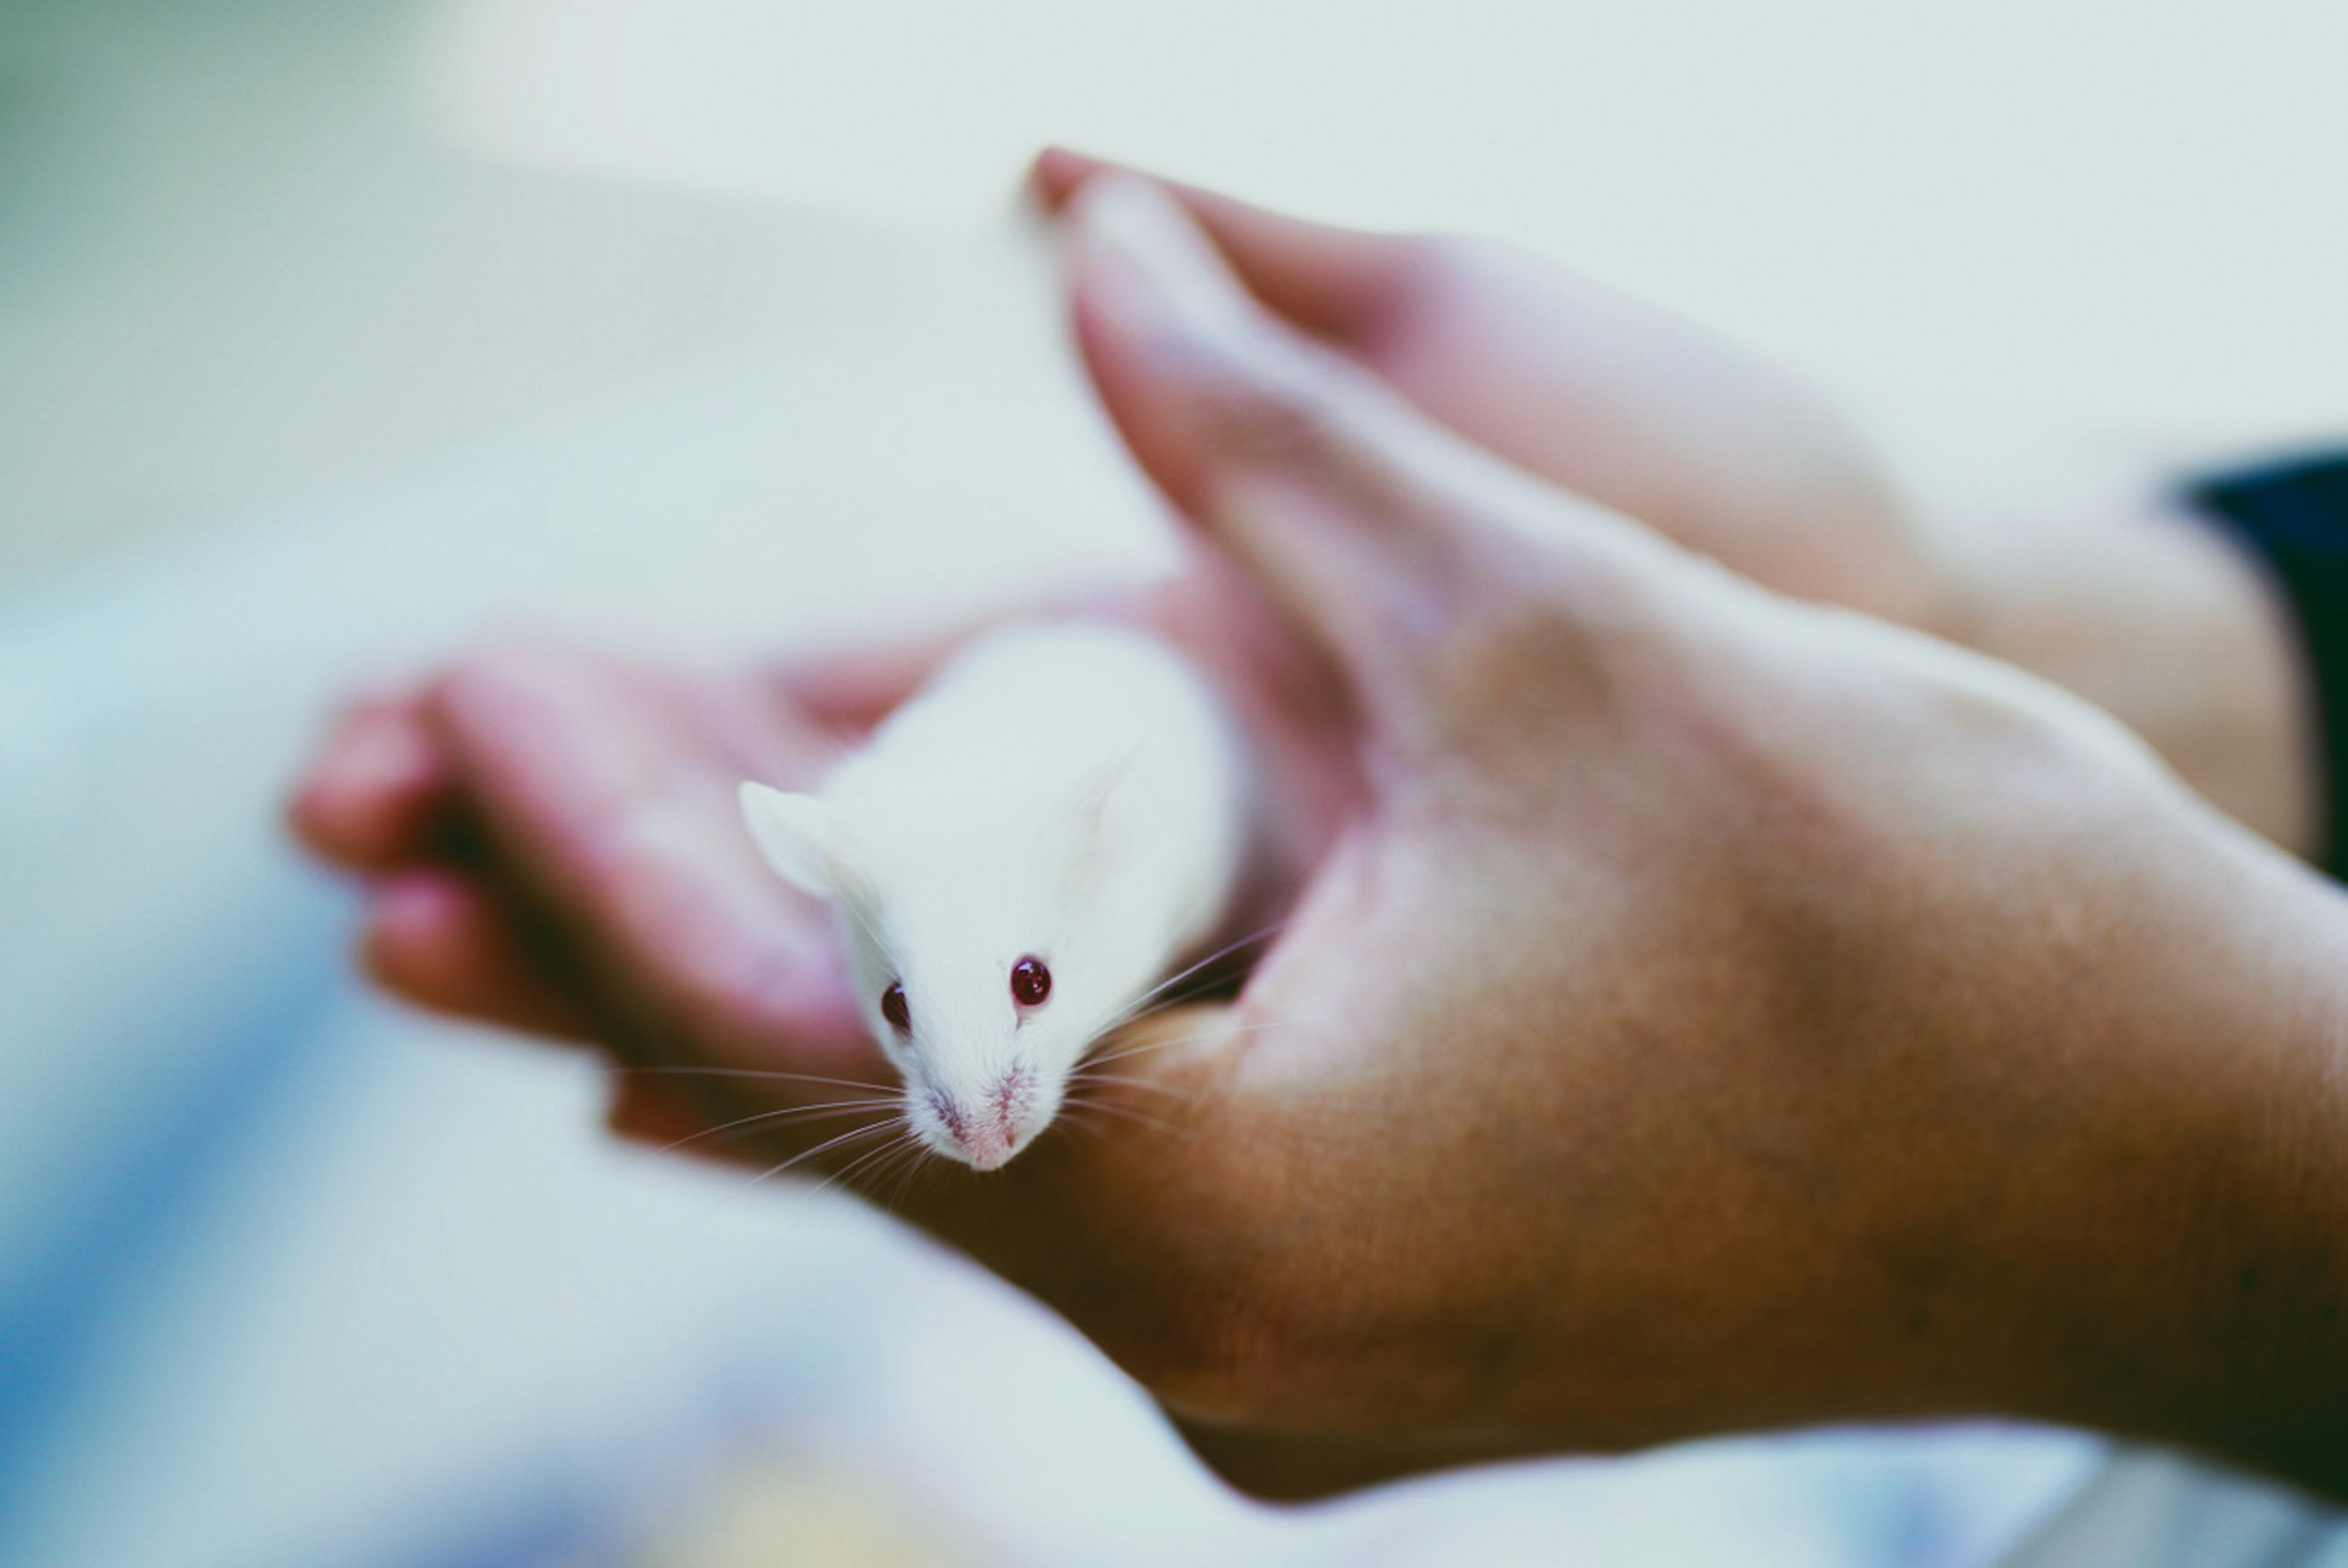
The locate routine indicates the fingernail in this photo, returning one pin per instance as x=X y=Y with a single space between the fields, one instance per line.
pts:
x=1167 y=280
x=1043 y=187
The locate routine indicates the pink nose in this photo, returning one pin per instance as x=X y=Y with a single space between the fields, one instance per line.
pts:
x=990 y=1150
x=989 y=1136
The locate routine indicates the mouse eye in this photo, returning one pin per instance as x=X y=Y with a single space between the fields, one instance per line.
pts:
x=1031 y=982
x=893 y=1008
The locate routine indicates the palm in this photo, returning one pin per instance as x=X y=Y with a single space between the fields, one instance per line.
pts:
x=722 y=992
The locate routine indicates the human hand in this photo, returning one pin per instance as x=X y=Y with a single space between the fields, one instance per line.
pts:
x=1700 y=1011
x=1616 y=400
x=455 y=923
x=2149 y=614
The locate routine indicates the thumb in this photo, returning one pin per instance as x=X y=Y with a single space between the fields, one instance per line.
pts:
x=1618 y=401
x=1351 y=286
x=1383 y=535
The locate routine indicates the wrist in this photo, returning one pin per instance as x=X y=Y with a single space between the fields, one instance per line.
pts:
x=2190 y=1286
x=2271 y=1260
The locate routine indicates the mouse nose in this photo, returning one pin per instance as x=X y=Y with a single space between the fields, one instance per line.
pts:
x=986 y=1127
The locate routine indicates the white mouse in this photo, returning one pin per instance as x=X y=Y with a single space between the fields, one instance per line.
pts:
x=1020 y=853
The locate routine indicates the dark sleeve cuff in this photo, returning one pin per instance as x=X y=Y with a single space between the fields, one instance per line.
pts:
x=2294 y=515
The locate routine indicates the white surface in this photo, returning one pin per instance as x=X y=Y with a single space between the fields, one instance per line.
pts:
x=2102 y=215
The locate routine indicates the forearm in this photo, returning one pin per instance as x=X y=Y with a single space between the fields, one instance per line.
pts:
x=2162 y=620
x=2196 y=1275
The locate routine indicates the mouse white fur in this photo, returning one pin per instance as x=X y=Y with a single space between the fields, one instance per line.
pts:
x=1020 y=852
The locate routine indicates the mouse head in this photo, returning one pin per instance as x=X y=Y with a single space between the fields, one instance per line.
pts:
x=970 y=956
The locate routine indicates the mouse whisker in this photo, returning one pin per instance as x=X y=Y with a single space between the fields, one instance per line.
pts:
x=759 y=1072
x=1159 y=992
x=862 y=1172
x=1145 y=1047
x=906 y=1168
x=1074 y=1114
x=1102 y=1130
x=787 y=1113
x=846 y=1176
x=1125 y=1081
x=1075 y=1123
x=1167 y=987
x=805 y=1155
x=907 y=1175
x=1090 y=1091
x=910 y=1170
x=1127 y=1113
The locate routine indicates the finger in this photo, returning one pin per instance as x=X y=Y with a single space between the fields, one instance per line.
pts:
x=1341 y=283
x=379 y=791
x=645 y=1112
x=443 y=942
x=621 y=827
x=1381 y=532
x=659 y=1119
x=1622 y=402
x=744 y=730
x=852 y=689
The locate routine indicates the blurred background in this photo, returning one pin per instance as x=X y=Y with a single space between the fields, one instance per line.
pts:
x=334 y=333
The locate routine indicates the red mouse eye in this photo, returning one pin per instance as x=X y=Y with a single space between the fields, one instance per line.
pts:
x=1031 y=982
x=893 y=1008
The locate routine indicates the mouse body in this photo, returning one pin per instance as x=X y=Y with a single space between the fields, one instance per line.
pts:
x=1017 y=857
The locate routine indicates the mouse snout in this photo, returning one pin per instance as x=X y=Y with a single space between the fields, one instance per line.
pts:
x=986 y=1127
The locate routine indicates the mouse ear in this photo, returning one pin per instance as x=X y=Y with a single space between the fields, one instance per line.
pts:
x=795 y=833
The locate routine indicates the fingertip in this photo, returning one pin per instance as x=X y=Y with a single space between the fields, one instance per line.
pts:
x=1055 y=172
x=1347 y=285
x=1137 y=224
x=375 y=790
x=309 y=814
x=438 y=940
x=417 y=928
x=1210 y=389
x=1164 y=330
x=1383 y=535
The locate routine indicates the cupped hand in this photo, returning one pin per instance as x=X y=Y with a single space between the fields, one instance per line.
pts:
x=2125 y=600
x=1623 y=402
x=1693 y=1011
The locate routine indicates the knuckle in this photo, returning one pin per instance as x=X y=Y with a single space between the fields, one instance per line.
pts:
x=1289 y=410
x=1512 y=653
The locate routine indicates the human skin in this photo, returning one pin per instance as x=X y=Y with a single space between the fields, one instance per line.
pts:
x=2150 y=614
x=1696 y=1010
